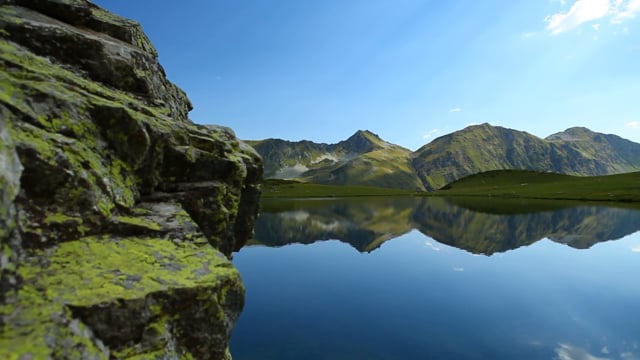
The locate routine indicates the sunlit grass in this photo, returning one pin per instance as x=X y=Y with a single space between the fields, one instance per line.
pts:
x=501 y=184
x=538 y=185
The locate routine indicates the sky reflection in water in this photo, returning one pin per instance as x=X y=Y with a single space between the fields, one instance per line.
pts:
x=416 y=298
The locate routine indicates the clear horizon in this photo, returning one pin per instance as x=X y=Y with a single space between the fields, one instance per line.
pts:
x=407 y=70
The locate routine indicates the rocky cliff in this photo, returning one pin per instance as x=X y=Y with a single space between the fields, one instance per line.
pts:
x=116 y=210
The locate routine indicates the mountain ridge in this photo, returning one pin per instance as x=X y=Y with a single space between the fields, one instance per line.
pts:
x=367 y=159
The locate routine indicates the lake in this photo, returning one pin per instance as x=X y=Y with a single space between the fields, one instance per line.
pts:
x=426 y=278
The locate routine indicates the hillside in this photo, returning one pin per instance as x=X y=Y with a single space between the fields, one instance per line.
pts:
x=530 y=184
x=366 y=159
x=475 y=149
x=362 y=159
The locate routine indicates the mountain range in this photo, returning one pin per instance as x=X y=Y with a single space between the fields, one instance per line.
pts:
x=366 y=159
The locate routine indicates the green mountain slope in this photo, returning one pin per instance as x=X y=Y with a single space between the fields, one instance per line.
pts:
x=366 y=159
x=611 y=154
x=479 y=148
x=362 y=159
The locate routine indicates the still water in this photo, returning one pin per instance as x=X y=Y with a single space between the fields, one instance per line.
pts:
x=427 y=279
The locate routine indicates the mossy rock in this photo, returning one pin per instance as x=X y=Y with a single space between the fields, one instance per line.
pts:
x=124 y=297
x=118 y=213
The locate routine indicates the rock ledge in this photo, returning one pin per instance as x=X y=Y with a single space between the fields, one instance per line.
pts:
x=117 y=213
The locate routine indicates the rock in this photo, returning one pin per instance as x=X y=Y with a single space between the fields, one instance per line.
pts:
x=117 y=213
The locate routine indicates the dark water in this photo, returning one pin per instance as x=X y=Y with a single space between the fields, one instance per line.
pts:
x=426 y=279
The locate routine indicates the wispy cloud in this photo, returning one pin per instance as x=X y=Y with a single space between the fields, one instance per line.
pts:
x=636 y=249
x=458 y=269
x=625 y=10
x=583 y=11
x=635 y=125
x=455 y=110
x=430 y=133
x=528 y=35
x=580 y=12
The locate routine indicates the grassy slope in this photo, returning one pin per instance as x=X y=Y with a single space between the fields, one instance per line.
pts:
x=362 y=160
x=501 y=184
x=479 y=148
x=386 y=167
x=536 y=185
x=476 y=149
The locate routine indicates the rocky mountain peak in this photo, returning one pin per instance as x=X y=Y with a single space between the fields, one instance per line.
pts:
x=362 y=141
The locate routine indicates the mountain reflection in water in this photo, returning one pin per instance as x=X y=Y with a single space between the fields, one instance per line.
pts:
x=418 y=296
x=366 y=223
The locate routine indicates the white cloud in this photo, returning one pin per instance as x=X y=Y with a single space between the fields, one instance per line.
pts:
x=583 y=11
x=580 y=12
x=455 y=110
x=636 y=249
x=625 y=10
x=528 y=35
x=635 y=125
x=431 y=133
x=458 y=269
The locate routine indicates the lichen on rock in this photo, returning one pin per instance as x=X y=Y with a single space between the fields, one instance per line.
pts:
x=116 y=210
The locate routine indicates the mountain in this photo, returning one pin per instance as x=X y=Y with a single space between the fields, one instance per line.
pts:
x=479 y=148
x=366 y=159
x=613 y=153
x=362 y=159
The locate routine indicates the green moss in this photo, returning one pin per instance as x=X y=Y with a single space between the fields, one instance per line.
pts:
x=37 y=72
x=107 y=183
x=139 y=221
x=161 y=264
x=39 y=142
x=100 y=270
x=59 y=218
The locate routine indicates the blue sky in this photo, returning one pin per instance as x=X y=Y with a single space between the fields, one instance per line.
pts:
x=407 y=70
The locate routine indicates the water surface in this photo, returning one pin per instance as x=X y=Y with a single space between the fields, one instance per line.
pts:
x=414 y=278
